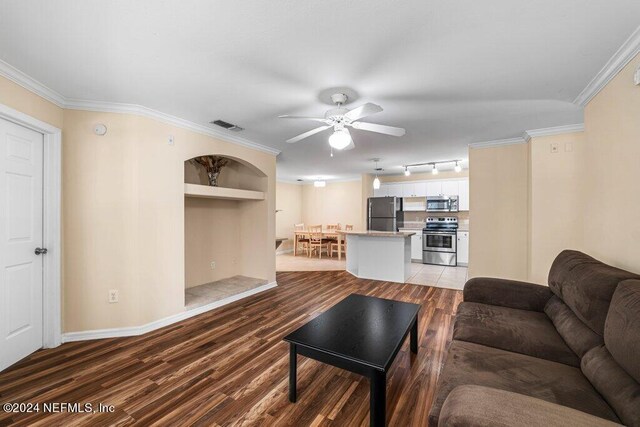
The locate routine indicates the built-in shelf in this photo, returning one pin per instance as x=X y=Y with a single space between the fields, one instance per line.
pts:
x=208 y=192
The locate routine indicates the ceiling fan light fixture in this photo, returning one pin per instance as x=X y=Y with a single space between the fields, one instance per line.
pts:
x=340 y=139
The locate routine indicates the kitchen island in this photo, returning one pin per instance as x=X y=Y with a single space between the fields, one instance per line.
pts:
x=379 y=255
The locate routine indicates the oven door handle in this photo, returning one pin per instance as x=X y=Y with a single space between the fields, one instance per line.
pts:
x=441 y=233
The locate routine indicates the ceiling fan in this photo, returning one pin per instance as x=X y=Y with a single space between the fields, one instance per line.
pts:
x=340 y=119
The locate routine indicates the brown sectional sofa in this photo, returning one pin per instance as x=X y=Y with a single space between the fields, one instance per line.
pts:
x=563 y=355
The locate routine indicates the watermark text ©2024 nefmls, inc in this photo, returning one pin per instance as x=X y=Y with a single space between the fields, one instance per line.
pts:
x=57 y=407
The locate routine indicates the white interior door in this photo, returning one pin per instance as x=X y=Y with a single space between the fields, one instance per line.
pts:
x=21 y=278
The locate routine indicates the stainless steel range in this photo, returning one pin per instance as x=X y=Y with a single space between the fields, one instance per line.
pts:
x=439 y=241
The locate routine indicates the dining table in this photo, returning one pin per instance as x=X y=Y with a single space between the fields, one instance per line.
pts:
x=326 y=233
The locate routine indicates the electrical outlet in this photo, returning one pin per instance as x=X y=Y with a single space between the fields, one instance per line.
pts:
x=555 y=147
x=113 y=296
x=213 y=265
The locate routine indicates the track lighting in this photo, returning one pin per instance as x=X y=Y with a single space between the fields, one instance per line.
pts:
x=434 y=166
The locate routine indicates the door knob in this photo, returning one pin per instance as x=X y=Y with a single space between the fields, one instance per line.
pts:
x=41 y=251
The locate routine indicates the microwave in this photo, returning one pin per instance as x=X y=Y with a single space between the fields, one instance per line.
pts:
x=442 y=204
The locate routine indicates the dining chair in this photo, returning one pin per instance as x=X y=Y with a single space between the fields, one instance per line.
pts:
x=332 y=228
x=317 y=240
x=333 y=247
x=302 y=240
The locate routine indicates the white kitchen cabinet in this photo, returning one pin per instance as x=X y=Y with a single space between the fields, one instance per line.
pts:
x=408 y=189
x=416 y=246
x=450 y=187
x=463 y=248
x=394 y=189
x=420 y=189
x=381 y=192
x=434 y=188
x=463 y=195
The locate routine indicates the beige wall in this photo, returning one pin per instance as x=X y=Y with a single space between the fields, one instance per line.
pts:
x=498 y=190
x=123 y=216
x=612 y=204
x=212 y=233
x=289 y=206
x=555 y=202
x=18 y=98
x=338 y=202
x=585 y=198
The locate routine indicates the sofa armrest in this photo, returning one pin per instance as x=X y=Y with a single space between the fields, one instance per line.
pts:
x=477 y=406
x=507 y=293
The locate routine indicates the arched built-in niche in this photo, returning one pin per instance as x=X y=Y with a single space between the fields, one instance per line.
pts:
x=226 y=225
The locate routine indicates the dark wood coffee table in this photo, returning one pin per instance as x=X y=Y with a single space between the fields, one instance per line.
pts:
x=360 y=334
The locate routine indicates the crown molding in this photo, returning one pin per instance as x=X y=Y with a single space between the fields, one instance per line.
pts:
x=497 y=142
x=31 y=84
x=629 y=49
x=10 y=72
x=556 y=130
x=139 y=110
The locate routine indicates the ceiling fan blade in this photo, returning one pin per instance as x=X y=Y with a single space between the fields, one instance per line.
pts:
x=307 y=134
x=317 y=119
x=372 y=127
x=363 y=111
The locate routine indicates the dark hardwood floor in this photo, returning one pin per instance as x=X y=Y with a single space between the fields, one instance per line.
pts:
x=230 y=366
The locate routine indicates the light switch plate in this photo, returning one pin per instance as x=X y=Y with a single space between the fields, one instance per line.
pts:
x=636 y=77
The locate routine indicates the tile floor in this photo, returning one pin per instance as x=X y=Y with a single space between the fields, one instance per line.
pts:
x=198 y=296
x=421 y=274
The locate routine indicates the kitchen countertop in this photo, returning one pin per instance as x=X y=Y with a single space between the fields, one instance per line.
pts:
x=373 y=233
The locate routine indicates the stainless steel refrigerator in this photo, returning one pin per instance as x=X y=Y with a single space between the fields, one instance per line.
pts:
x=385 y=213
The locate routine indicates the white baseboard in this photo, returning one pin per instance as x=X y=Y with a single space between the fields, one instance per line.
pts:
x=160 y=323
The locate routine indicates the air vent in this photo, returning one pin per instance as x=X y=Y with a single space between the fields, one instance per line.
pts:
x=226 y=125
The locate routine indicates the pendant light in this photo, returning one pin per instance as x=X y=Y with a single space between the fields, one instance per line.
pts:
x=434 y=171
x=376 y=180
x=458 y=168
x=407 y=172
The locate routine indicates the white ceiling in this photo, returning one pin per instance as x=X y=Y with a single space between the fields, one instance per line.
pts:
x=450 y=72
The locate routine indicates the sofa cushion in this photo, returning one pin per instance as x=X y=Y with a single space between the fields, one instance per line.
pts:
x=586 y=285
x=473 y=405
x=614 y=384
x=622 y=330
x=475 y=364
x=520 y=331
x=572 y=330
x=507 y=293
